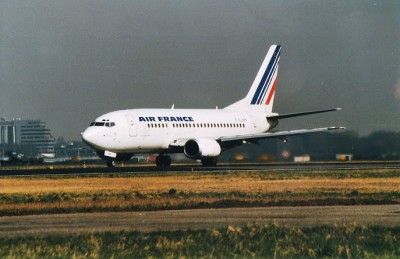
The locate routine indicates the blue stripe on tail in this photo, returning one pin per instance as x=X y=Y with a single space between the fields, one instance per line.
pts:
x=265 y=82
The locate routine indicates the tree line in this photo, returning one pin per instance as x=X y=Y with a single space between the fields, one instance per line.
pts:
x=379 y=145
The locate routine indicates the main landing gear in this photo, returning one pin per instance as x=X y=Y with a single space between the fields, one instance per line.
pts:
x=163 y=160
x=209 y=161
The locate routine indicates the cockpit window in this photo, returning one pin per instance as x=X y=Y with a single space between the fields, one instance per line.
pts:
x=102 y=124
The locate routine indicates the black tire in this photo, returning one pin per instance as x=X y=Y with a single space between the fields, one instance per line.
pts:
x=162 y=160
x=167 y=160
x=209 y=161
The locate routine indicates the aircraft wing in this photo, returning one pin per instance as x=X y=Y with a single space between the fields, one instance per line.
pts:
x=279 y=134
x=180 y=142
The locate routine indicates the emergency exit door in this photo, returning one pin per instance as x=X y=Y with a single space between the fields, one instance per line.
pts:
x=132 y=126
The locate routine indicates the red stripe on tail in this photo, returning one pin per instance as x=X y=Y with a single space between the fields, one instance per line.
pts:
x=271 y=93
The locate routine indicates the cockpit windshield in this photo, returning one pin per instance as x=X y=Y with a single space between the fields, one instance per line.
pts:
x=103 y=123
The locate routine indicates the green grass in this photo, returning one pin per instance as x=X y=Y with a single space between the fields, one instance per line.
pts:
x=253 y=240
x=111 y=201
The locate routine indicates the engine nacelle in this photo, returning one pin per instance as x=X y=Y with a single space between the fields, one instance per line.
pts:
x=199 y=148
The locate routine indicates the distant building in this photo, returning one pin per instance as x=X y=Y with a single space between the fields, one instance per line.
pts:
x=7 y=133
x=305 y=158
x=27 y=132
x=344 y=157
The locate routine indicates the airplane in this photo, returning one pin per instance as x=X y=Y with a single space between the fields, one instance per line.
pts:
x=201 y=134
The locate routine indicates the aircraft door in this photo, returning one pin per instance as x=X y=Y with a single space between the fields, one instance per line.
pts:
x=132 y=126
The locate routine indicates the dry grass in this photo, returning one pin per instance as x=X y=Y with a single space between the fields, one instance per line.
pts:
x=196 y=184
x=32 y=195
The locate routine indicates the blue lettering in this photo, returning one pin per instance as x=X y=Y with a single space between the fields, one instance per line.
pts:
x=166 y=118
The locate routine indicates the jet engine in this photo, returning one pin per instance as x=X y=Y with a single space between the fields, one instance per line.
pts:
x=202 y=147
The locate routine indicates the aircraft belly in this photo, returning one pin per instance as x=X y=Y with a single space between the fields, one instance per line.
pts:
x=139 y=144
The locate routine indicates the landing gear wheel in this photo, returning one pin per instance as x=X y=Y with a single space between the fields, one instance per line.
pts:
x=111 y=163
x=209 y=161
x=162 y=160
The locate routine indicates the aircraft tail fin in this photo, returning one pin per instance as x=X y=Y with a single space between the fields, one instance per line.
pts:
x=262 y=91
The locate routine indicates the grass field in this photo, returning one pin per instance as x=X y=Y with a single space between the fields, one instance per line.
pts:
x=124 y=192
x=345 y=241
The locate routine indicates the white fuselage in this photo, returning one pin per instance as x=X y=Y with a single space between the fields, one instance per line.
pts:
x=198 y=133
x=153 y=130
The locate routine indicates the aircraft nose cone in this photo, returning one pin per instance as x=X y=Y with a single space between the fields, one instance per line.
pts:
x=88 y=137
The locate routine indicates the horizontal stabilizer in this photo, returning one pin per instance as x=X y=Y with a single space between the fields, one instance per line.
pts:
x=291 y=115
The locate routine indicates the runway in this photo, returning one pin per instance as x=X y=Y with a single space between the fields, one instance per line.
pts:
x=149 y=168
x=37 y=225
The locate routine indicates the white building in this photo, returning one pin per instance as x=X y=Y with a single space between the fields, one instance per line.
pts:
x=27 y=132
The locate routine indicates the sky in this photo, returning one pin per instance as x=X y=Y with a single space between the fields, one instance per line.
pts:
x=68 y=62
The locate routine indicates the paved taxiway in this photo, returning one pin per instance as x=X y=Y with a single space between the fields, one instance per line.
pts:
x=141 y=168
x=383 y=215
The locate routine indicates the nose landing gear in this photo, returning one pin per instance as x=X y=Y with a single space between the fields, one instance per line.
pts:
x=163 y=160
x=111 y=163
